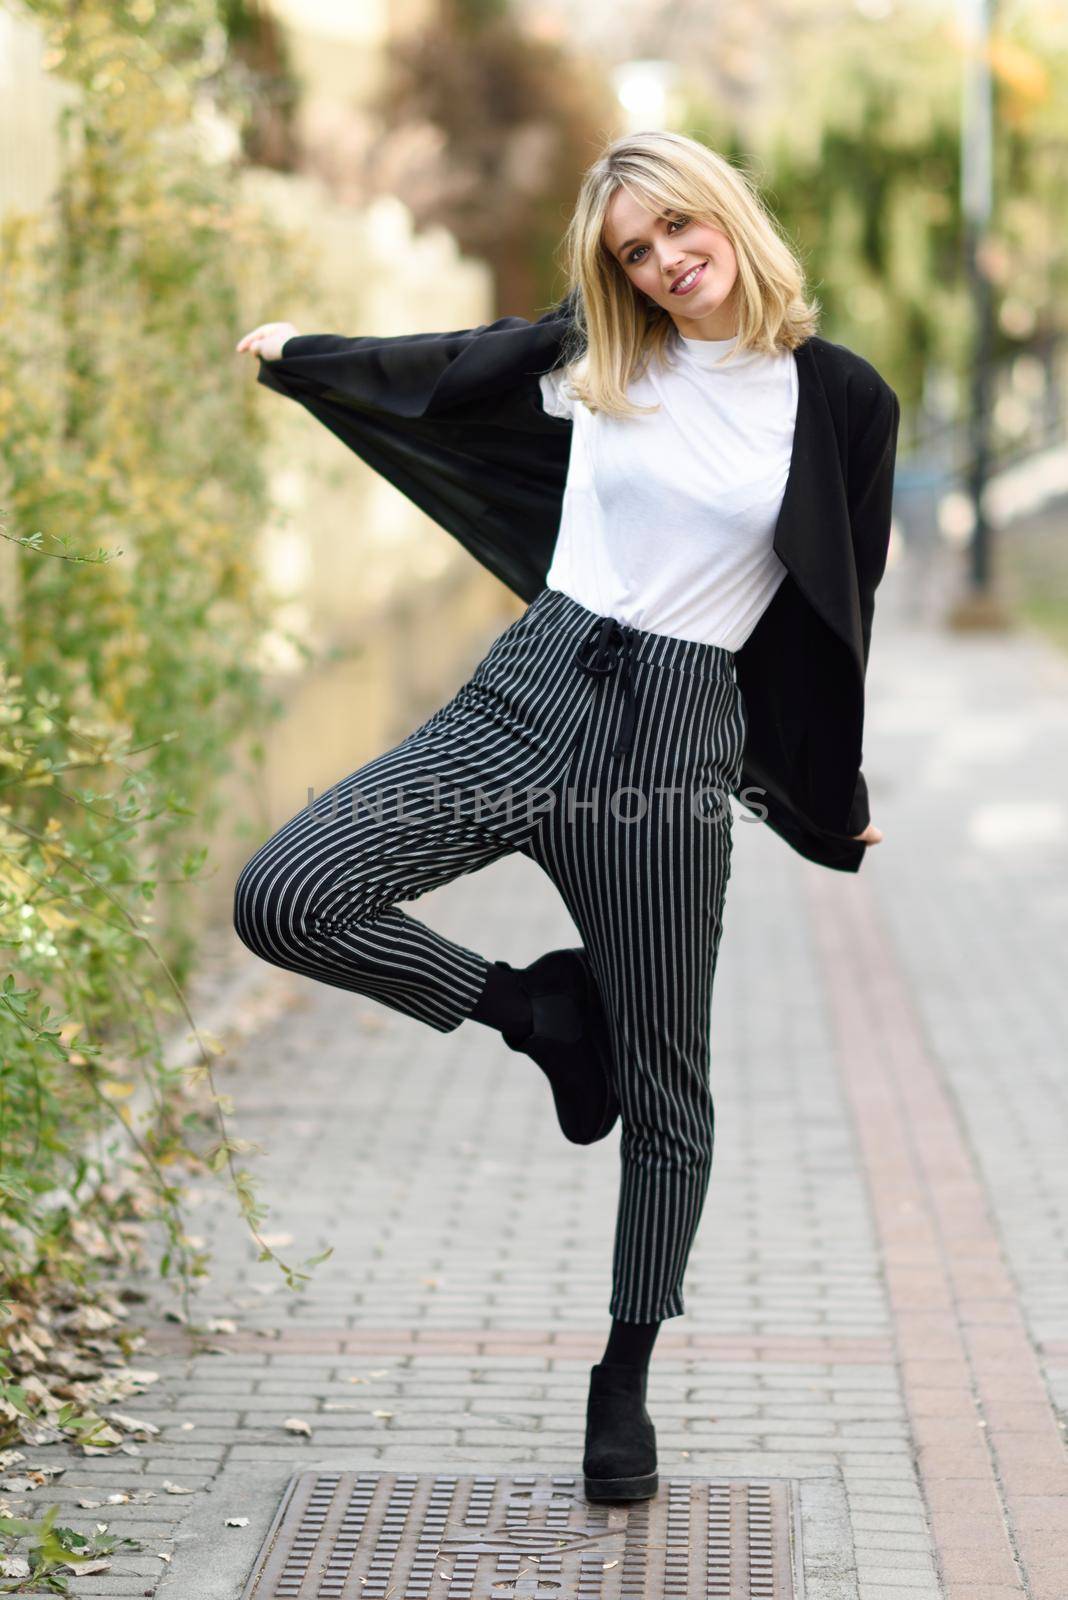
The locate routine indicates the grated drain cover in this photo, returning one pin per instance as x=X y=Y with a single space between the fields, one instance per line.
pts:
x=481 y=1536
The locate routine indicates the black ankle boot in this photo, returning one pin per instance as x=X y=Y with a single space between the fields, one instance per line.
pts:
x=620 y=1458
x=577 y=1060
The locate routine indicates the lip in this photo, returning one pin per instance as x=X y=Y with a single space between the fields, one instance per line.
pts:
x=691 y=286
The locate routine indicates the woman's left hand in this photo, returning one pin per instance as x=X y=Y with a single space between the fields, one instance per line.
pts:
x=871 y=834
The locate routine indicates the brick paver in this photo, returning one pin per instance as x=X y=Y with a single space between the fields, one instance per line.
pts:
x=876 y=1302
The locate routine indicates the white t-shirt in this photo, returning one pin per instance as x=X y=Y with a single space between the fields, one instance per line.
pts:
x=668 y=519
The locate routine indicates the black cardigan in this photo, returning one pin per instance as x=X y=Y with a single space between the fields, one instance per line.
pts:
x=456 y=422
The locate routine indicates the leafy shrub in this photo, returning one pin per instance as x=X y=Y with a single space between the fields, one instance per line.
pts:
x=132 y=492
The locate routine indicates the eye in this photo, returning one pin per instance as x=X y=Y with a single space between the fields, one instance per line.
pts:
x=677 y=222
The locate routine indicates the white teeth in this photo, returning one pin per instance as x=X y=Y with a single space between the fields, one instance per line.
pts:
x=690 y=276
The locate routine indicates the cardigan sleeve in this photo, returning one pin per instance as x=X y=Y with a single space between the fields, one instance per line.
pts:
x=870 y=492
x=397 y=374
x=870 y=488
x=454 y=421
x=420 y=375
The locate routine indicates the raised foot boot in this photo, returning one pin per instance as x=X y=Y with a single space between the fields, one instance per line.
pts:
x=571 y=1042
x=620 y=1458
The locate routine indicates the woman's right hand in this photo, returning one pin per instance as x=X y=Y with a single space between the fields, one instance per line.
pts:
x=267 y=340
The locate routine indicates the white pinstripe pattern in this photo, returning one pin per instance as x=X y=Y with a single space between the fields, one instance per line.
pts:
x=645 y=891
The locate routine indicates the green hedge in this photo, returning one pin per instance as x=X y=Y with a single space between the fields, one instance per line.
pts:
x=132 y=491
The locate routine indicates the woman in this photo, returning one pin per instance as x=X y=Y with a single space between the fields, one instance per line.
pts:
x=692 y=491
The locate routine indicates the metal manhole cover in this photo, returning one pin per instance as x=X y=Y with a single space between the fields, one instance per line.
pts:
x=531 y=1536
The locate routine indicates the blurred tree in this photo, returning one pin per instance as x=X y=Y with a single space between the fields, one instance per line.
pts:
x=857 y=154
x=486 y=129
x=266 y=91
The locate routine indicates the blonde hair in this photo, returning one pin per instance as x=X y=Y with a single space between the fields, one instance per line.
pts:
x=615 y=331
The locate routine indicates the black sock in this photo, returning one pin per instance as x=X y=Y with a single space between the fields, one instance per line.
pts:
x=630 y=1344
x=503 y=1004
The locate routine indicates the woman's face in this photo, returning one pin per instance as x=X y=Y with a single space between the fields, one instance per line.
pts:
x=657 y=252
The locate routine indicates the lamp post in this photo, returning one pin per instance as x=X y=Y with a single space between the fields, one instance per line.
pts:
x=979 y=606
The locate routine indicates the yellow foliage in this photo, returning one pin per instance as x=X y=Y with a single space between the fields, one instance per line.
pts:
x=1019 y=69
x=132 y=483
x=211 y=1043
x=54 y=919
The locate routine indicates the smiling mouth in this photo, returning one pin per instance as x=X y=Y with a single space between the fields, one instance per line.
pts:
x=689 y=279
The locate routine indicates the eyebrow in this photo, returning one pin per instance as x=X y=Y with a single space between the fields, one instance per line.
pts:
x=666 y=214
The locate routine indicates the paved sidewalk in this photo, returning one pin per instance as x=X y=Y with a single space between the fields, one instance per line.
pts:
x=877 y=1302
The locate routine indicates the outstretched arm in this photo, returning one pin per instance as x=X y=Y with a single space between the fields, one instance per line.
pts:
x=453 y=420
x=410 y=374
x=268 y=340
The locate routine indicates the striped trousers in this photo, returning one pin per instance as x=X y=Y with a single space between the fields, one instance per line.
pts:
x=606 y=754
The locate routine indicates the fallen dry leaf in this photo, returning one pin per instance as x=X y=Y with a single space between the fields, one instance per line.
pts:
x=109 y=1436
x=22 y=1344
x=133 y=1424
x=37 y=1433
x=88 y=1319
x=34 y=1386
x=31 y=1478
x=237 y=1522
x=296 y=1425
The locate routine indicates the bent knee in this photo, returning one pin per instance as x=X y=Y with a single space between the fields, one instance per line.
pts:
x=255 y=894
x=274 y=908
x=281 y=908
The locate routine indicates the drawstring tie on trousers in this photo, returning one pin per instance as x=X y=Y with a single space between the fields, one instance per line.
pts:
x=601 y=661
